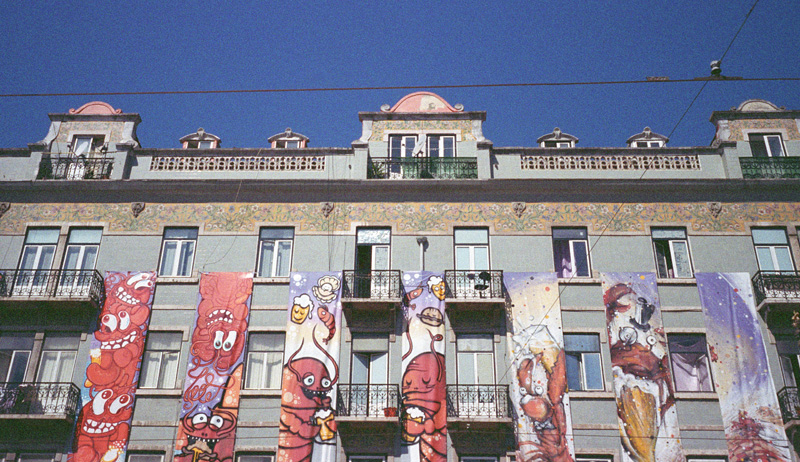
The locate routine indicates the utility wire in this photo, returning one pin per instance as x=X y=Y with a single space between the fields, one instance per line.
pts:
x=657 y=80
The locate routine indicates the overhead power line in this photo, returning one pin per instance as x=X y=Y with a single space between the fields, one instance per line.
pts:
x=653 y=80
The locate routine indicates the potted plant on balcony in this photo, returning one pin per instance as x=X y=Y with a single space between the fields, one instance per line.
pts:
x=390 y=412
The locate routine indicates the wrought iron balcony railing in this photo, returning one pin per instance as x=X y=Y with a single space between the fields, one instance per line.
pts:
x=53 y=283
x=356 y=400
x=474 y=285
x=75 y=168
x=438 y=168
x=40 y=399
x=770 y=167
x=481 y=401
x=776 y=284
x=372 y=285
x=790 y=403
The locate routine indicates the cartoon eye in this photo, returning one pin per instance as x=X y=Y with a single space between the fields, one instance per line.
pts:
x=139 y=281
x=216 y=421
x=538 y=389
x=308 y=381
x=229 y=341
x=124 y=320
x=325 y=382
x=651 y=340
x=110 y=321
x=119 y=403
x=199 y=419
x=218 y=339
x=99 y=401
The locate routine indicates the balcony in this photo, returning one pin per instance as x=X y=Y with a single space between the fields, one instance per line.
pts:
x=367 y=414
x=770 y=167
x=790 y=404
x=55 y=288
x=41 y=408
x=437 y=168
x=75 y=168
x=777 y=289
x=369 y=298
x=479 y=409
x=479 y=289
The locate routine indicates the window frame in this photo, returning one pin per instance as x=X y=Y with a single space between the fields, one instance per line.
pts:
x=161 y=376
x=571 y=245
x=474 y=354
x=403 y=149
x=180 y=242
x=276 y=254
x=707 y=361
x=132 y=455
x=671 y=263
x=472 y=246
x=583 y=375
x=263 y=353
x=95 y=145
x=772 y=248
x=763 y=139
x=30 y=339
x=239 y=454
x=441 y=149
x=648 y=143
x=45 y=349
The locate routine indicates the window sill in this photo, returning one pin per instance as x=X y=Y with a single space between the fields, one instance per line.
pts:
x=676 y=281
x=598 y=394
x=158 y=391
x=579 y=280
x=697 y=395
x=178 y=280
x=266 y=393
x=262 y=280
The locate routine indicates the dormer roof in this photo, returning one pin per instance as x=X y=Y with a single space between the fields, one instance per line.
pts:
x=289 y=135
x=201 y=135
x=422 y=101
x=96 y=108
x=557 y=135
x=648 y=135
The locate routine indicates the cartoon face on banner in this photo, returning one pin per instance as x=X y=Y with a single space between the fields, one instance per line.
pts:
x=424 y=417
x=210 y=409
x=307 y=426
x=642 y=380
x=115 y=356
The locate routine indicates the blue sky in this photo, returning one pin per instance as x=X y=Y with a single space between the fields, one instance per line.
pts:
x=152 y=46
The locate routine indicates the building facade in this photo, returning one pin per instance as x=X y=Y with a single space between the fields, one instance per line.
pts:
x=559 y=301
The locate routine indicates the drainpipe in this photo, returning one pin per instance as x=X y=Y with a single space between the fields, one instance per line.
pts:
x=423 y=243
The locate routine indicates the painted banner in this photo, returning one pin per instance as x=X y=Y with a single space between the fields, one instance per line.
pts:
x=307 y=429
x=424 y=418
x=648 y=420
x=210 y=408
x=539 y=392
x=116 y=349
x=750 y=412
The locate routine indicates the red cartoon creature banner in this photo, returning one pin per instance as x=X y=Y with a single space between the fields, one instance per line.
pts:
x=307 y=431
x=210 y=409
x=648 y=421
x=753 y=424
x=116 y=351
x=539 y=390
x=424 y=417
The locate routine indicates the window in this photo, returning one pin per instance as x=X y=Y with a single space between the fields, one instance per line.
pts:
x=672 y=253
x=584 y=369
x=83 y=145
x=58 y=358
x=35 y=458
x=368 y=394
x=649 y=144
x=15 y=352
x=472 y=249
x=766 y=145
x=146 y=457
x=275 y=252
x=789 y=356
x=690 y=367
x=36 y=260
x=79 y=259
x=772 y=250
x=160 y=361
x=177 y=254
x=264 y=360
x=593 y=459
x=373 y=256
x=478 y=459
x=402 y=146
x=287 y=144
x=475 y=359
x=249 y=457
x=558 y=144
x=571 y=252
x=441 y=146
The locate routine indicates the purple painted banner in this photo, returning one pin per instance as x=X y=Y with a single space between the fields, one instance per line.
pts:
x=115 y=357
x=750 y=412
x=539 y=392
x=648 y=421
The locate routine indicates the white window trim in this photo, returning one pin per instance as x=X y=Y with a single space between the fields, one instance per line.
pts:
x=247 y=356
x=455 y=132
x=13 y=354
x=441 y=145
x=767 y=131
x=672 y=256
x=650 y=143
x=472 y=248
x=176 y=261
x=274 y=263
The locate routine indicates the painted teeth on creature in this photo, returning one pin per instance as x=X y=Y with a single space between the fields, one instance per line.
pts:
x=119 y=343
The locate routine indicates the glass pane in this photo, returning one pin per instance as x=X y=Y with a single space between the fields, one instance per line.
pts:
x=787 y=370
x=380 y=257
x=185 y=264
x=379 y=368
x=569 y=233
x=360 y=373
x=274 y=369
x=574 y=372
x=669 y=233
x=448 y=148
x=19 y=362
x=410 y=142
x=255 y=370
x=474 y=342
x=180 y=233
x=61 y=342
x=662 y=261
x=71 y=258
x=395 y=146
x=65 y=366
x=485 y=372
x=168 y=258
x=169 y=370
x=757 y=146
x=81 y=145
x=775 y=147
x=151 y=363
x=28 y=259
x=48 y=367
x=691 y=372
x=581 y=255
x=265 y=341
x=769 y=236
x=164 y=341
x=562 y=258
x=277 y=233
x=284 y=258
x=594 y=373
x=89 y=258
x=784 y=259
x=581 y=342
x=466 y=368
x=471 y=236
x=680 y=252
x=433 y=146
x=46 y=257
x=373 y=236
x=267 y=254
x=85 y=236
x=765 y=262
x=42 y=236
x=481 y=258
x=462 y=258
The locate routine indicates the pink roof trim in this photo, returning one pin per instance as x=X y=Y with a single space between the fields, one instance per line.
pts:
x=423 y=101
x=96 y=107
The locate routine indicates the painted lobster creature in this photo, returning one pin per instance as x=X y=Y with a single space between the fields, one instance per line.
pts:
x=306 y=411
x=425 y=416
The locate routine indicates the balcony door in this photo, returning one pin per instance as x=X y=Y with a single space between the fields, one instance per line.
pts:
x=36 y=261
x=369 y=392
x=79 y=261
x=476 y=395
x=373 y=254
x=55 y=370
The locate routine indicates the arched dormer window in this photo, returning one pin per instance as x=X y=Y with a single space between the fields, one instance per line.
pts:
x=200 y=140
x=557 y=139
x=647 y=139
x=288 y=140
